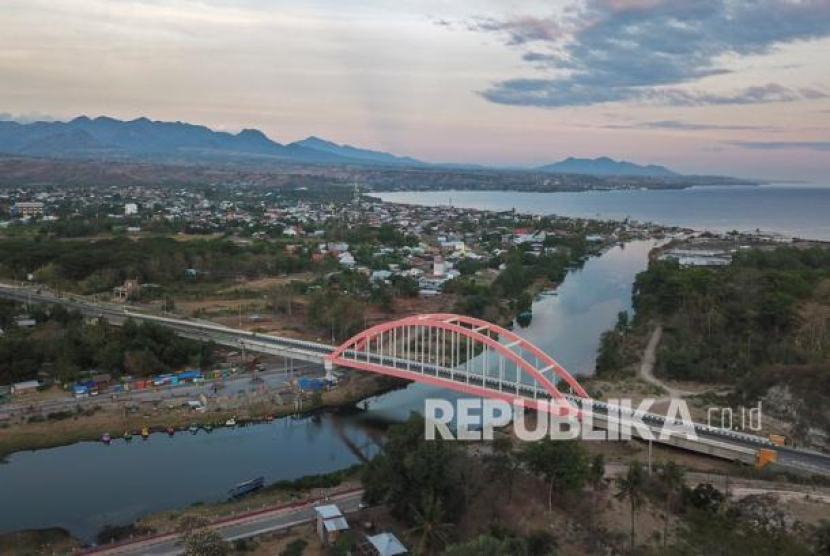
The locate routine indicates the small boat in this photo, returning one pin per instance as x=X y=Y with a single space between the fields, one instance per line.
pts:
x=193 y=429
x=128 y=436
x=106 y=438
x=230 y=422
x=246 y=487
x=145 y=433
x=208 y=428
x=171 y=431
x=523 y=319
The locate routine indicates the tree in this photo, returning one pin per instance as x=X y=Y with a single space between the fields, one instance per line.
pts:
x=431 y=526
x=502 y=463
x=671 y=474
x=632 y=486
x=822 y=539
x=561 y=463
x=596 y=475
x=704 y=497
x=205 y=542
x=410 y=466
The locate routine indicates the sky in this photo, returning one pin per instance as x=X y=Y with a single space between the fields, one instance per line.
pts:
x=736 y=87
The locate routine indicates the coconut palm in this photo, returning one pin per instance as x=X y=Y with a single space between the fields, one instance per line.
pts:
x=672 y=476
x=632 y=486
x=430 y=525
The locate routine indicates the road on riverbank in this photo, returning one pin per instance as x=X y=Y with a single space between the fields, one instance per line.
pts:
x=237 y=527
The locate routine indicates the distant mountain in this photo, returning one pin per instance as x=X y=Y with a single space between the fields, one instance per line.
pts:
x=605 y=166
x=354 y=153
x=143 y=138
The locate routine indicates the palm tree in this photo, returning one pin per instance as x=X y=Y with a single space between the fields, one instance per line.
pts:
x=596 y=475
x=672 y=476
x=430 y=525
x=632 y=486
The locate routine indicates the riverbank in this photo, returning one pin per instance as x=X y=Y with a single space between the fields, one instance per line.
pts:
x=91 y=425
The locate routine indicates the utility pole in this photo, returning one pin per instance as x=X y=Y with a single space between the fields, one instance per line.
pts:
x=649 y=457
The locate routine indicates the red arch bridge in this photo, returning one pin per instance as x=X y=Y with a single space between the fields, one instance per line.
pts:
x=465 y=354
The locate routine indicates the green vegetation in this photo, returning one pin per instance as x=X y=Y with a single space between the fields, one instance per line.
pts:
x=97 y=266
x=413 y=475
x=538 y=544
x=294 y=548
x=762 y=321
x=63 y=345
x=731 y=323
x=563 y=464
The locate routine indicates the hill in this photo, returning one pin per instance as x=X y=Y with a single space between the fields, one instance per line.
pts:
x=105 y=137
x=605 y=166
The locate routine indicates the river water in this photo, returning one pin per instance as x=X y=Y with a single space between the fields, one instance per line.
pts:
x=85 y=486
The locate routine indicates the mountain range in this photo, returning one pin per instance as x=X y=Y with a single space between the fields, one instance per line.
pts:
x=142 y=138
x=605 y=166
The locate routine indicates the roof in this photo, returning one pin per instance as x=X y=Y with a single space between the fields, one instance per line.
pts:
x=387 y=544
x=329 y=511
x=335 y=524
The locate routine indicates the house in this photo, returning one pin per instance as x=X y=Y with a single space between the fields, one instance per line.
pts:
x=25 y=321
x=386 y=544
x=33 y=208
x=346 y=259
x=130 y=209
x=330 y=522
x=25 y=387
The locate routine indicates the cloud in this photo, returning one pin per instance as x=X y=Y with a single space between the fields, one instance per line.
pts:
x=677 y=125
x=558 y=92
x=822 y=146
x=649 y=50
x=29 y=118
x=521 y=30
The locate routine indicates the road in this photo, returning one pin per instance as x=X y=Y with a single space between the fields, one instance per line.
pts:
x=739 y=443
x=239 y=527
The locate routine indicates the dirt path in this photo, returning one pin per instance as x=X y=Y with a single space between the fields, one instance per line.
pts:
x=647 y=366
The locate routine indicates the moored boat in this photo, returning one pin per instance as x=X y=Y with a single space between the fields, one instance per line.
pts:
x=106 y=438
x=128 y=436
x=230 y=422
x=246 y=487
x=145 y=433
x=171 y=431
x=193 y=429
x=523 y=319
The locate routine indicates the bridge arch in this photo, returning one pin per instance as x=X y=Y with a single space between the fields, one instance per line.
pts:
x=443 y=348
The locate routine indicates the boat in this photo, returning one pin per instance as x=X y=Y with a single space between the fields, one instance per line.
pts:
x=128 y=436
x=106 y=438
x=523 y=319
x=246 y=487
x=171 y=431
x=145 y=433
x=208 y=428
x=230 y=422
x=193 y=429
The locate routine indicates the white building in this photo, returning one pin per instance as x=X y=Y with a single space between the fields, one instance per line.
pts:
x=130 y=209
x=438 y=266
x=330 y=522
x=387 y=544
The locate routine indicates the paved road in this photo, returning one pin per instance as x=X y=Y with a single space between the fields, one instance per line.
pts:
x=313 y=351
x=240 y=527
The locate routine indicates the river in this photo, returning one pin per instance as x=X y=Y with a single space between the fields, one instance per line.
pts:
x=87 y=485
